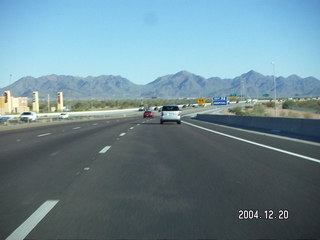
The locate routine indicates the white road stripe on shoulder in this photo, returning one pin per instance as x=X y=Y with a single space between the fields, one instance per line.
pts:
x=26 y=227
x=105 y=149
x=45 y=134
x=257 y=144
x=266 y=134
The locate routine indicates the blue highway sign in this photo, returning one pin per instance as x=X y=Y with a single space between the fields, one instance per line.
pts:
x=219 y=101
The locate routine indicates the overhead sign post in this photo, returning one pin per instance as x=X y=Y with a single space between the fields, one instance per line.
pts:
x=217 y=101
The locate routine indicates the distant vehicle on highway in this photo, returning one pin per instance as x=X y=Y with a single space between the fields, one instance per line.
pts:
x=141 y=108
x=148 y=114
x=64 y=116
x=170 y=113
x=28 y=117
x=252 y=101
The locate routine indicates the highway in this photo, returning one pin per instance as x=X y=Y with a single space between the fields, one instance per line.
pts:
x=131 y=178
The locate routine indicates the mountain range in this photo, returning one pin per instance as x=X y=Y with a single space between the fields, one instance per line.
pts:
x=179 y=85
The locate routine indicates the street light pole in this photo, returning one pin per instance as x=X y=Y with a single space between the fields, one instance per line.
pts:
x=241 y=89
x=275 y=88
x=48 y=102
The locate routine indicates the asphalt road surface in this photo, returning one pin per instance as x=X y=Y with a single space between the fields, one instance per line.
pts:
x=134 y=178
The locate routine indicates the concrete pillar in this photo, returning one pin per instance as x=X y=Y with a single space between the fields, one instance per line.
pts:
x=60 y=102
x=35 y=101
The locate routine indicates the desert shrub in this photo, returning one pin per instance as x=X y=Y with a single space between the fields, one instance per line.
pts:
x=287 y=104
x=258 y=110
x=307 y=115
x=283 y=114
x=270 y=104
x=237 y=111
x=292 y=115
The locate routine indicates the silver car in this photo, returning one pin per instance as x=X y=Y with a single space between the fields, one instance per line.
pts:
x=64 y=116
x=28 y=117
x=170 y=113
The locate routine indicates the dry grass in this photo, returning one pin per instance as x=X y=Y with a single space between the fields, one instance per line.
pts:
x=270 y=112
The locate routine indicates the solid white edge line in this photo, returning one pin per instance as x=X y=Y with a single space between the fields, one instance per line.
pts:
x=26 y=227
x=105 y=149
x=263 y=134
x=76 y=128
x=45 y=134
x=257 y=144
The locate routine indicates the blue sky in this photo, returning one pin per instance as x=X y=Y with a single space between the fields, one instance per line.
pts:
x=144 y=39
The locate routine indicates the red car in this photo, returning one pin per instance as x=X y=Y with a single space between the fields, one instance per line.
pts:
x=148 y=114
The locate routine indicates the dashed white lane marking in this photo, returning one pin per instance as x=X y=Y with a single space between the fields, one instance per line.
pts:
x=257 y=144
x=131 y=128
x=26 y=227
x=94 y=124
x=76 y=128
x=86 y=169
x=45 y=134
x=54 y=154
x=105 y=149
x=122 y=134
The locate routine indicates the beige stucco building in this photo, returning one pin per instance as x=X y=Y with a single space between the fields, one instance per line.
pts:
x=12 y=105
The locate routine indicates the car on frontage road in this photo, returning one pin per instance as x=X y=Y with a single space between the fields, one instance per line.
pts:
x=64 y=116
x=28 y=117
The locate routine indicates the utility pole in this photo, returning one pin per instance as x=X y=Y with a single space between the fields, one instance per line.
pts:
x=241 y=89
x=48 y=102
x=275 y=88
